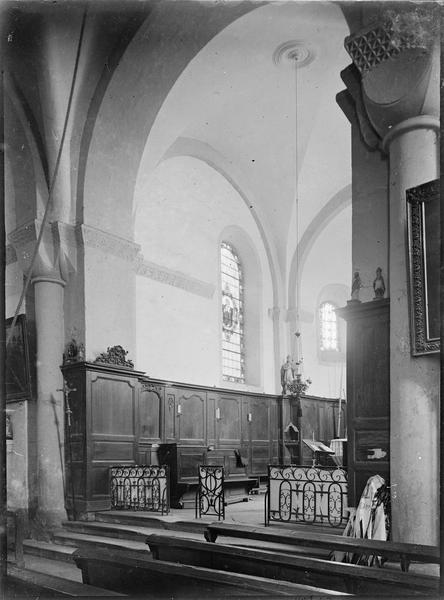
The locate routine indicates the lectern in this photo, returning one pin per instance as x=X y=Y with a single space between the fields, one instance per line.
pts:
x=319 y=450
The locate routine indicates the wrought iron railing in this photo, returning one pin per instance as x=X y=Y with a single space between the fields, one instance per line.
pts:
x=140 y=487
x=306 y=495
x=210 y=495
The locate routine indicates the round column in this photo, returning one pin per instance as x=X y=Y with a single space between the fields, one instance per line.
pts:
x=50 y=417
x=414 y=421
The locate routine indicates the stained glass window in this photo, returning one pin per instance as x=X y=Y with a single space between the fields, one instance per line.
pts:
x=328 y=327
x=232 y=315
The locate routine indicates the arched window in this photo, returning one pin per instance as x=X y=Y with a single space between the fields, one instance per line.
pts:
x=232 y=315
x=329 y=339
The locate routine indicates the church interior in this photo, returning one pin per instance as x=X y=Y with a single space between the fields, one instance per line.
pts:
x=221 y=277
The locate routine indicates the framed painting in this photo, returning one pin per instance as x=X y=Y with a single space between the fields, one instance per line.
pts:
x=18 y=378
x=423 y=218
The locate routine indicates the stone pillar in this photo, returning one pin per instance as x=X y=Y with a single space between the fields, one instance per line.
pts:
x=414 y=381
x=50 y=417
x=396 y=61
x=50 y=335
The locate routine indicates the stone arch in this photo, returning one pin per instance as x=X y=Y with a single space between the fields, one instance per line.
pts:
x=192 y=147
x=161 y=49
x=334 y=206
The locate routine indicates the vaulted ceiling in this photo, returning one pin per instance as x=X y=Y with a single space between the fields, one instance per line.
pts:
x=241 y=105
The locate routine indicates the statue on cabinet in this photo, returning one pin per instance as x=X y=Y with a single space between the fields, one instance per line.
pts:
x=287 y=375
x=379 y=285
x=356 y=286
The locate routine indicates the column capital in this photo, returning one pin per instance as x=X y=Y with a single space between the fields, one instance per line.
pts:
x=420 y=122
x=397 y=57
x=56 y=255
x=48 y=279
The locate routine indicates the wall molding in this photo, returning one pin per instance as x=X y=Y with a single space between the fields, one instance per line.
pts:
x=151 y=270
x=91 y=237
x=107 y=242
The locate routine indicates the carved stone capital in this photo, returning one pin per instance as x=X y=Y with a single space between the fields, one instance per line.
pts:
x=45 y=261
x=397 y=58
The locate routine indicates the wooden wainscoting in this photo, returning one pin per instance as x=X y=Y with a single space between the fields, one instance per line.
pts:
x=121 y=417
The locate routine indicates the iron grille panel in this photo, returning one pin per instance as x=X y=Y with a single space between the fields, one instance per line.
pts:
x=210 y=496
x=307 y=495
x=140 y=487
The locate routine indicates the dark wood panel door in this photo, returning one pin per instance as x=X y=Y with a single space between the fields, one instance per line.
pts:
x=368 y=393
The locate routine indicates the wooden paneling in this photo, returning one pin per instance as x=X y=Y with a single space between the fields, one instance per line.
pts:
x=170 y=415
x=113 y=451
x=149 y=414
x=192 y=419
x=112 y=406
x=118 y=414
x=103 y=431
x=228 y=425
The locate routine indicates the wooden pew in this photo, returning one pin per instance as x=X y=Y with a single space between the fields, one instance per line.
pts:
x=40 y=583
x=405 y=553
x=290 y=567
x=99 y=564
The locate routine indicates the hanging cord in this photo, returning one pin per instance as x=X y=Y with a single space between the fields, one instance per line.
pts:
x=299 y=357
x=52 y=183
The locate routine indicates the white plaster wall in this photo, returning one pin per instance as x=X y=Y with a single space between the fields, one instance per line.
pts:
x=328 y=263
x=109 y=301
x=182 y=210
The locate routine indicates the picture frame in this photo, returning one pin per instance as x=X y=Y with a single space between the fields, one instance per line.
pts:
x=423 y=225
x=18 y=375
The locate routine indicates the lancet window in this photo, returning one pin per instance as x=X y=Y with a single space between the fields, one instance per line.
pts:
x=232 y=306
x=329 y=339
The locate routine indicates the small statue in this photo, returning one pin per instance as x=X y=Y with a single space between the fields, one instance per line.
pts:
x=379 y=285
x=287 y=375
x=74 y=352
x=356 y=286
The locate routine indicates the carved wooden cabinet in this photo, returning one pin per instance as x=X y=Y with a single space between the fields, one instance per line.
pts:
x=104 y=431
x=368 y=392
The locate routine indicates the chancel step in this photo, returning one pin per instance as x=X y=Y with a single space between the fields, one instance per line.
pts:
x=131 y=517
x=49 y=550
x=119 y=530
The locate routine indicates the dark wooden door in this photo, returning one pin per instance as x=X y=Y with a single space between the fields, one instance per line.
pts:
x=368 y=393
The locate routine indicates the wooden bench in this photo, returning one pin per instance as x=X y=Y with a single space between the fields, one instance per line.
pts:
x=98 y=564
x=60 y=587
x=295 y=568
x=405 y=553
